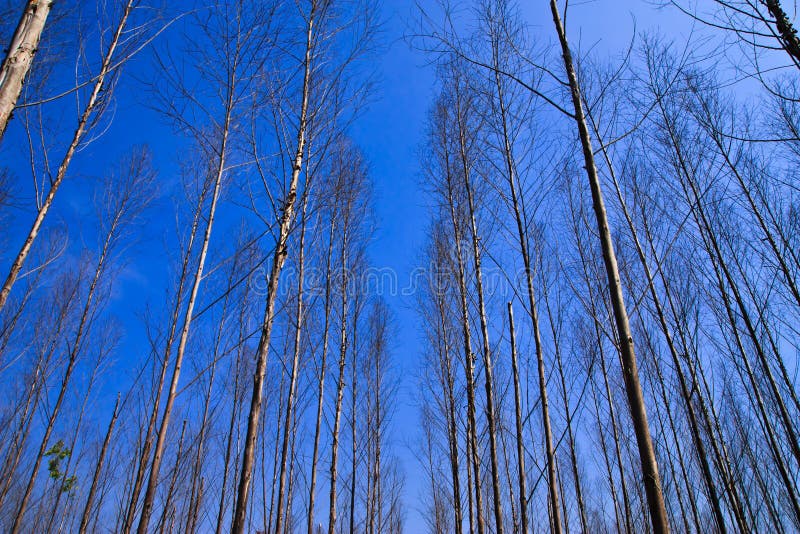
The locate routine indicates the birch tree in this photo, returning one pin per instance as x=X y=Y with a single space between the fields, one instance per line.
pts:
x=88 y=115
x=19 y=56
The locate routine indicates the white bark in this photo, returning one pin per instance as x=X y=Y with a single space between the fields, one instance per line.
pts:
x=20 y=56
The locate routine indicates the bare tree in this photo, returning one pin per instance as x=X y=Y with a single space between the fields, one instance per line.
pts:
x=285 y=222
x=94 y=104
x=19 y=56
x=87 y=509
x=652 y=480
x=291 y=396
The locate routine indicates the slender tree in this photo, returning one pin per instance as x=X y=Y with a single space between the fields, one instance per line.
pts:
x=652 y=480
x=93 y=105
x=285 y=222
x=123 y=204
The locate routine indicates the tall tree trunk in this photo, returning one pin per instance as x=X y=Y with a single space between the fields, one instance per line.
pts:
x=615 y=434
x=679 y=453
x=691 y=389
x=630 y=371
x=508 y=465
x=290 y=494
x=168 y=512
x=354 y=417
x=534 y=313
x=569 y=415
x=321 y=384
x=470 y=456
x=144 y=456
x=196 y=490
x=523 y=492
x=452 y=423
x=87 y=509
x=596 y=317
x=619 y=512
x=232 y=423
x=19 y=57
x=714 y=500
x=290 y=399
x=269 y=505
x=488 y=370
x=279 y=257
x=469 y=357
x=219 y=171
x=339 y=387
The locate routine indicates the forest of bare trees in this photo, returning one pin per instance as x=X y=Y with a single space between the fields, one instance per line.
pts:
x=242 y=395
x=632 y=365
x=606 y=319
